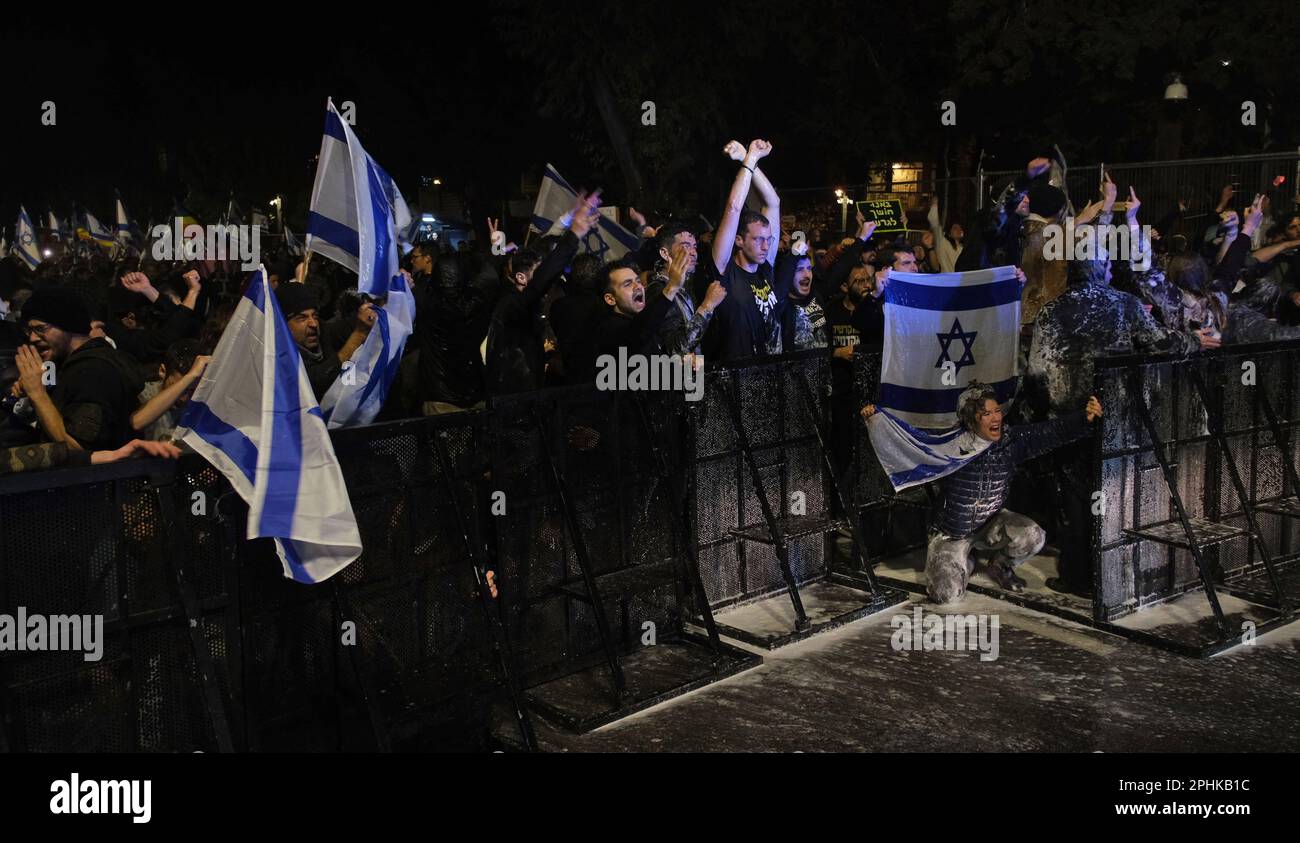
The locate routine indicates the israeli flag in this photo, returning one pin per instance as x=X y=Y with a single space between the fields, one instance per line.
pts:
x=98 y=232
x=355 y=215
x=291 y=244
x=911 y=457
x=941 y=333
x=55 y=231
x=125 y=228
x=608 y=241
x=25 y=244
x=254 y=418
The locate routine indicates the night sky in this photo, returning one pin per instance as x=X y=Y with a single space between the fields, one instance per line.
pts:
x=220 y=102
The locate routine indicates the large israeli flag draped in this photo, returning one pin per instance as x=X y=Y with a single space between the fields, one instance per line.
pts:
x=911 y=457
x=355 y=215
x=254 y=417
x=608 y=240
x=941 y=333
x=25 y=245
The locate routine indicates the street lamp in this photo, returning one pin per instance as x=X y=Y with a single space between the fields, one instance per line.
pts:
x=845 y=202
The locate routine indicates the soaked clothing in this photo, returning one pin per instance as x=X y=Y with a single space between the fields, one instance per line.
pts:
x=683 y=326
x=1012 y=537
x=976 y=492
x=804 y=325
x=1044 y=279
x=1088 y=320
x=452 y=307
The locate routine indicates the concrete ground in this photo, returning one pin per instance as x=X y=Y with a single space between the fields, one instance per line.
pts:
x=1054 y=686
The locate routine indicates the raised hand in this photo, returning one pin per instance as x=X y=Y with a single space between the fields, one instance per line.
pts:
x=866 y=227
x=1254 y=215
x=1093 y=408
x=1108 y=193
x=677 y=270
x=759 y=149
x=585 y=210
x=30 y=369
x=366 y=316
x=1207 y=338
x=734 y=150
x=868 y=411
x=192 y=279
x=1225 y=197
x=637 y=217
x=1133 y=204
x=713 y=297
x=1037 y=167
x=138 y=282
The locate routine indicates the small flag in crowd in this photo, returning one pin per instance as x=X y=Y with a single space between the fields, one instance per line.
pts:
x=126 y=230
x=355 y=215
x=291 y=243
x=607 y=241
x=55 y=230
x=255 y=419
x=96 y=231
x=942 y=332
x=25 y=245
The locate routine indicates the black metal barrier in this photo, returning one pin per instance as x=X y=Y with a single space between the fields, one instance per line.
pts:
x=767 y=504
x=114 y=543
x=1190 y=488
x=1197 y=465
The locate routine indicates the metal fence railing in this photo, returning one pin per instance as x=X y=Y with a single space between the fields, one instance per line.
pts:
x=1197 y=182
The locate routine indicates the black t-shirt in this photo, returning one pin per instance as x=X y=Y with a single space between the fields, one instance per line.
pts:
x=747 y=323
x=864 y=326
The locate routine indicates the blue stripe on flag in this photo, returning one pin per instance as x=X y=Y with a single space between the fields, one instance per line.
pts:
x=332 y=231
x=917 y=475
x=334 y=126
x=285 y=465
x=910 y=399
x=199 y=418
x=979 y=297
x=379 y=217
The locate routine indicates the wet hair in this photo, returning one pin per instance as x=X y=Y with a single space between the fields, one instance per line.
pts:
x=608 y=270
x=971 y=401
x=1087 y=272
x=664 y=239
x=747 y=218
x=1190 y=273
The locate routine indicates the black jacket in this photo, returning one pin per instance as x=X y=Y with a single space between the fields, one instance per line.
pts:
x=96 y=391
x=516 y=335
x=453 y=307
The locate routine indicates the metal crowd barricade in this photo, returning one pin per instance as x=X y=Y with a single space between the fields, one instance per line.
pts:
x=1162 y=184
x=765 y=507
x=591 y=541
x=1200 y=455
x=104 y=541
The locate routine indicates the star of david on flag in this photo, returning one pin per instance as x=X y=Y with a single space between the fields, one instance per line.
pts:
x=933 y=327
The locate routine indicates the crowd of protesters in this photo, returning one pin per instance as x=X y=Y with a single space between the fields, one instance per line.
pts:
x=129 y=339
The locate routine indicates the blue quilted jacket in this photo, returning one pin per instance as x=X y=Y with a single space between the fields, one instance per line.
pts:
x=975 y=493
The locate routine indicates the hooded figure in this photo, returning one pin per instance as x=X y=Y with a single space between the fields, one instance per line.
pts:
x=1088 y=320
